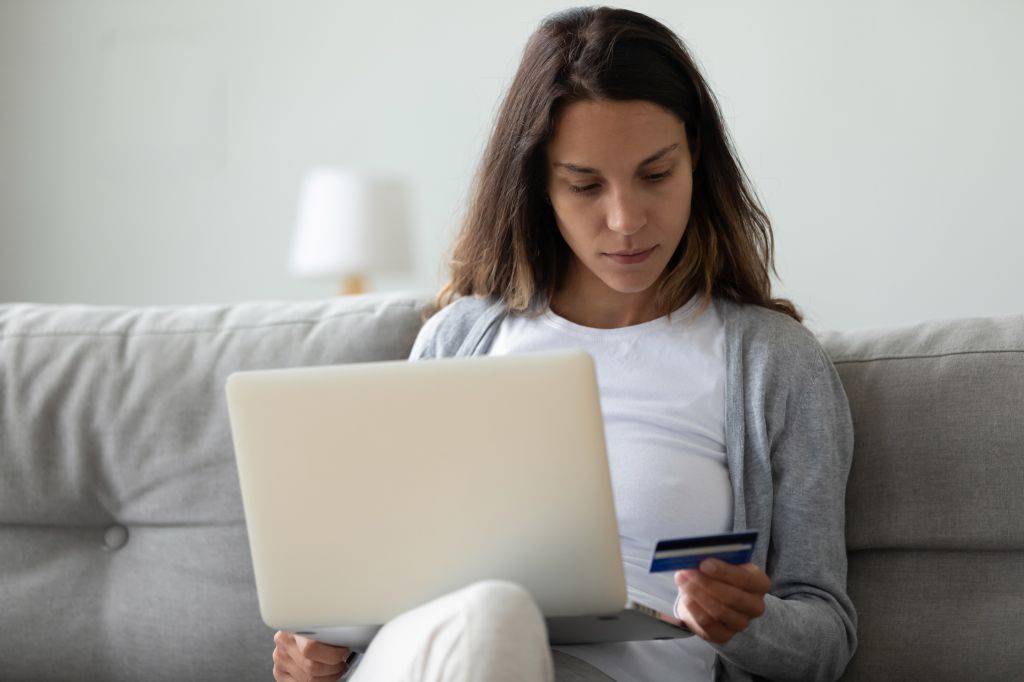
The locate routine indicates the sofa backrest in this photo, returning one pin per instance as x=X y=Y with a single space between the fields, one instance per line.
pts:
x=123 y=552
x=935 y=500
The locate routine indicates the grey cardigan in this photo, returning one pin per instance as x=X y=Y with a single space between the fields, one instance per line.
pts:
x=789 y=443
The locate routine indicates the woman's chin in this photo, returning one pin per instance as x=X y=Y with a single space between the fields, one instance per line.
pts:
x=631 y=286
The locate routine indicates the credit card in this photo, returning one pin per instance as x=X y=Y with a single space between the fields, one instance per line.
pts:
x=680 y=553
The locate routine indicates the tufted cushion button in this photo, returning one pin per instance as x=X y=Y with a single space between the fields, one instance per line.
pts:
x=115 y=537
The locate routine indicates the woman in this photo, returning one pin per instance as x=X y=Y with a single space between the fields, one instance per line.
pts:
x=611 y=214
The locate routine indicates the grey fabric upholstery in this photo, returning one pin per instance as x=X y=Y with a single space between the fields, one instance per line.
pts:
x=114 y=420
x=935 y=510
x=123 y=552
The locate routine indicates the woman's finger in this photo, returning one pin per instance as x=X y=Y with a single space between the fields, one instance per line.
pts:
x=282 y=663
x=315 y=670
x=320 y=652
x=300 y=658
x=721 y=611
x=702 y=623
x=747 y=604
x=747 y=577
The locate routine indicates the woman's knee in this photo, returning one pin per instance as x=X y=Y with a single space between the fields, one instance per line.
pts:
x=501 y=600
x=489 y=630
x=505 y=635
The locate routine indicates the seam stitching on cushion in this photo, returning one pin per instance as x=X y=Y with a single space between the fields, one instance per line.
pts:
x=149 y=525
x=127 y=334
x=921 y=357
x=947 y=550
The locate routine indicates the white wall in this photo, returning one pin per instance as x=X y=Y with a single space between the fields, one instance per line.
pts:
x=151 y=152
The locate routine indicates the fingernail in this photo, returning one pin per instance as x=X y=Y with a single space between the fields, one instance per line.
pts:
x=709 y=566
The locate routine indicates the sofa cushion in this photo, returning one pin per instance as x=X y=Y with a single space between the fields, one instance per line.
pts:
x=939 y=454
x=934 y=506
x=121 y=525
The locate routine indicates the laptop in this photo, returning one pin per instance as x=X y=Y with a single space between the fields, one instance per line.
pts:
x=370 y=489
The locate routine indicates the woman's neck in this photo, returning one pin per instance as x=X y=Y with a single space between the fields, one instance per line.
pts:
x=603 y=308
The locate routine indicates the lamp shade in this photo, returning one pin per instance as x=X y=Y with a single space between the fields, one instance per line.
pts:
x=350 y=224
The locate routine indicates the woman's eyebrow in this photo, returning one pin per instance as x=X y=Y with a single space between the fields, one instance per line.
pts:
x=593 y=171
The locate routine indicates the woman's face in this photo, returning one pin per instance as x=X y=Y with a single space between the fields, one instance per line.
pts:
x=620 y=178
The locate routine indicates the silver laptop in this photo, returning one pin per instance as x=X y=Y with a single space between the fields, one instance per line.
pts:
x=372 y=488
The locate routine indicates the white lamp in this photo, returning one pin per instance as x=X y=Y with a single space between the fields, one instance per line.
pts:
x=348 y=226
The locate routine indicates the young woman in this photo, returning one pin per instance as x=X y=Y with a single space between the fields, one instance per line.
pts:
x=611 y=214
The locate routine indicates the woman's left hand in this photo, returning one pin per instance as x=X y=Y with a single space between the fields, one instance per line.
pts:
x=720 y=600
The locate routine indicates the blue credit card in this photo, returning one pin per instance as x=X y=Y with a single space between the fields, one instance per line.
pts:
x=680 y=553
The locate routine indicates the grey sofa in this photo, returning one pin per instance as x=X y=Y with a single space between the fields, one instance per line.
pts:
x=123 y=551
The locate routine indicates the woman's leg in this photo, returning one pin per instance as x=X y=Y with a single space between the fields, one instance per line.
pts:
x=491 y=630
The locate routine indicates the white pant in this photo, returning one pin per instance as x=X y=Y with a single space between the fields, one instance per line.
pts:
x=491 y=630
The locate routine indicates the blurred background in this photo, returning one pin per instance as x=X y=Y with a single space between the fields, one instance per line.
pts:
x=157 y=152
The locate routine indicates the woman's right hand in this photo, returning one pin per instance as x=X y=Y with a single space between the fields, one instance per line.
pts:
x=301 y=659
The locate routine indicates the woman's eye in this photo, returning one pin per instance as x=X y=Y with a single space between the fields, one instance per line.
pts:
x=586 y=189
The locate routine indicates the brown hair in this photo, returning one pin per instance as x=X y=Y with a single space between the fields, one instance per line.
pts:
x=509 y=246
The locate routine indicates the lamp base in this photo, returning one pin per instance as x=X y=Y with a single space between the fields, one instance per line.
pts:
x=352 y=285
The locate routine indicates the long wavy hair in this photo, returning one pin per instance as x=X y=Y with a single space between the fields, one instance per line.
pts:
x=509 y=246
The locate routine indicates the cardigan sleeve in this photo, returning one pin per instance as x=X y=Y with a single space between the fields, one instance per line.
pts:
x=426 y=345
x=460 y=328
x=808 y=630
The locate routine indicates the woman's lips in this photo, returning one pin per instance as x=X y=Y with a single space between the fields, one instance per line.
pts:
x=630 y=257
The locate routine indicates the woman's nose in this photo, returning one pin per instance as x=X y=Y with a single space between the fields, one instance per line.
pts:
x=626 y=215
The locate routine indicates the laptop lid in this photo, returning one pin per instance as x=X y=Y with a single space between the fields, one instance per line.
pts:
x=372 y=488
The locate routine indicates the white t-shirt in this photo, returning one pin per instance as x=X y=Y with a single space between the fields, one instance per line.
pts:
x=662 y=388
